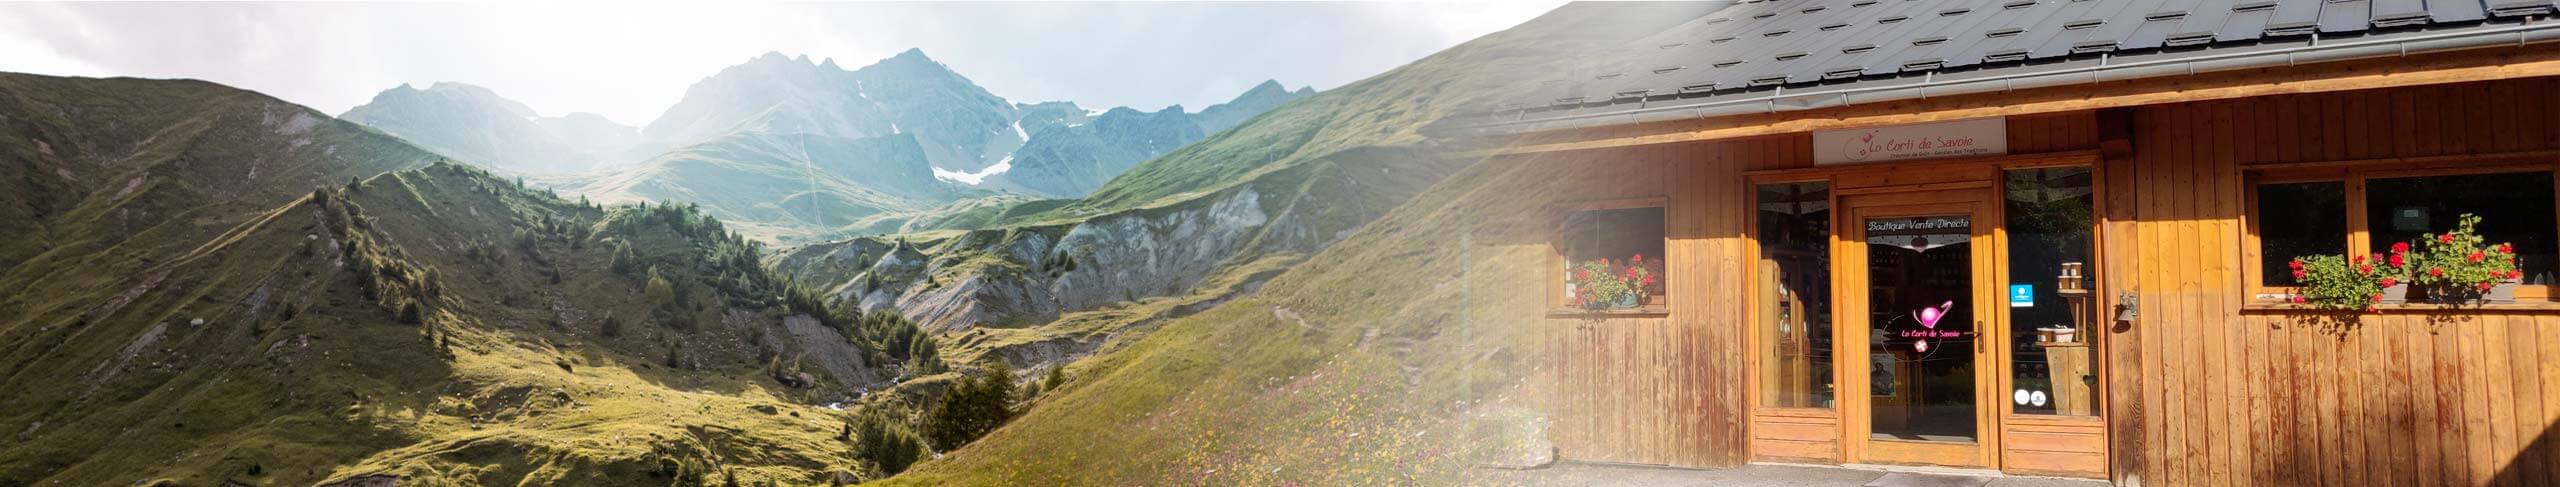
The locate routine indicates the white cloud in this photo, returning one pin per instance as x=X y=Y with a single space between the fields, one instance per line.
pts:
x=629 y=61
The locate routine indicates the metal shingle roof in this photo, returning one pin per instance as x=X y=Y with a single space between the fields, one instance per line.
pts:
x=1758 y=47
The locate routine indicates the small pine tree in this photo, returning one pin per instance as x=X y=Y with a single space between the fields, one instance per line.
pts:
x=883 y=441
x=1057 y=377
x=411 y=314
x=660 y=291
x=972 y=408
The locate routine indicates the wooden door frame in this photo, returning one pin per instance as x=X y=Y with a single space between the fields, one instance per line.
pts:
x=1850 y=327
x=1977 y=174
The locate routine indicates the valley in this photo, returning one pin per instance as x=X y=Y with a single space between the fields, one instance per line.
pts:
x=798 y=273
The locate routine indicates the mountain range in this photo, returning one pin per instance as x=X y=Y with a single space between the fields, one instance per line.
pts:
x=860 y=135
x=209 y=286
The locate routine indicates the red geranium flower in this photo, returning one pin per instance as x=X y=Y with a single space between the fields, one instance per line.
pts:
x=2477 y=256
x=2377 y=297
x=2435 y=271
x=2298 y=299
x=2296 y=264
x=2506 y=248
x=2388 y=282
x=2485 y=286
x=2446 y=238
x=1638 y=259
x=2397 y=261
x=2297 y=274
x=2358 y=259
x=2399 y=247
x=2366 y=268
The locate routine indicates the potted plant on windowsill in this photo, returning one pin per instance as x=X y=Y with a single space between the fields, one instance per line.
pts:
x=2336 y=282
x=1605 y=284
x=2457 y=267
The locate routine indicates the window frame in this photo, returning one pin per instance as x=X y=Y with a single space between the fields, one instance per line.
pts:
x=2359 y=236
x=1554 y=289
x=1751 y=288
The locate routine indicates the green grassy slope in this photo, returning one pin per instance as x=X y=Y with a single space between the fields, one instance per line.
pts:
x=437 y=325
x=183 y=307
x=99 y=175
x=1383 y=110
x=1369 y=363
x=1374 y=362
x=790 y=188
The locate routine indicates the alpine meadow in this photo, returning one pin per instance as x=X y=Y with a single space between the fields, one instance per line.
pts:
x=799 y=272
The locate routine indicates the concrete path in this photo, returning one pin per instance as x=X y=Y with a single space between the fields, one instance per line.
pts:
x=1603 y=475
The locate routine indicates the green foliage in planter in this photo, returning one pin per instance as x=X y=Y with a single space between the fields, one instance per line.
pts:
x=2460 y=262
x=2336 y=282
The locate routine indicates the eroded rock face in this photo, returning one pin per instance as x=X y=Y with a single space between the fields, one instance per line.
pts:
x=1129 y=256
x=825 y=349
x=1114 y=258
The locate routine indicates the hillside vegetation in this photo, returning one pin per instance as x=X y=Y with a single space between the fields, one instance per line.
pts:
x=361 y=309
x=1284 y=184
x=1398 y=356
x=1377 y=359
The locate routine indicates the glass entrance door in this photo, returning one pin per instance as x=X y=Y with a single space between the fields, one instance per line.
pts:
x=1916 y=266
x=1920 y=328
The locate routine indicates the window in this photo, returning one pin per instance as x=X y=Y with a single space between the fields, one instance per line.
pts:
x=2301 y=217
x=1792 y=299
x=2049 y=216
x=2513 y=208
x=1610 y=258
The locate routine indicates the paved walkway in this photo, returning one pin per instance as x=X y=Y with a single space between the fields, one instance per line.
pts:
x=1602 y=475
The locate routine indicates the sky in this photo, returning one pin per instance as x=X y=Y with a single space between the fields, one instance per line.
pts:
x=630 y=61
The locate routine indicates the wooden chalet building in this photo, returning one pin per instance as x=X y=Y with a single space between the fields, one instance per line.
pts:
x=2051 y=237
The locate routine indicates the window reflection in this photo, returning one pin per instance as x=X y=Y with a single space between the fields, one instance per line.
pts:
x=1793 y=297
x=2051 y=289
x=2514 y=208
x=2298 y=219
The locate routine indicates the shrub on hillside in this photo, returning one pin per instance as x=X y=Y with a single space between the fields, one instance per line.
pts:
x=660 y=291
x=883 y=440
x=972 y=408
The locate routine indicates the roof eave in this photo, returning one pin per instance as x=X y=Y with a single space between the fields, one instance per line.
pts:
x=1813 y=99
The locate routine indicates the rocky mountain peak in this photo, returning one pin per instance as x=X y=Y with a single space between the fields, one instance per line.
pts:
x=1262 y=97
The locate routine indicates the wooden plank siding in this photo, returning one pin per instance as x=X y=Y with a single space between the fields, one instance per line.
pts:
x=1666 y=389
x=2230 y=394
x=2207 y=387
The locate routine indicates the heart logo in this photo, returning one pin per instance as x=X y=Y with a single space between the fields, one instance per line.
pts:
x=1929 y=316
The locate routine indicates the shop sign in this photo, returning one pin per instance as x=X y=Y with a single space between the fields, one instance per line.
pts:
x=1920 y=234
x=1961 y=138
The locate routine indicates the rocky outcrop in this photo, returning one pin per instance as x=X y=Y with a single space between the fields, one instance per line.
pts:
x=1023 y=276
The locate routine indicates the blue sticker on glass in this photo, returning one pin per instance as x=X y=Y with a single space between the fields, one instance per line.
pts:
x=2022 y=295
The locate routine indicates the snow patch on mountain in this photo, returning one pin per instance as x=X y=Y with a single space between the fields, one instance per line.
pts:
x=974 y=178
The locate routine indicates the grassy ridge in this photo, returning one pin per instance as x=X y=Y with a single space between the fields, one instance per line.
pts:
x=1371 y=363
x=1377 y=360
x=1388 y=109
x=187 y=309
